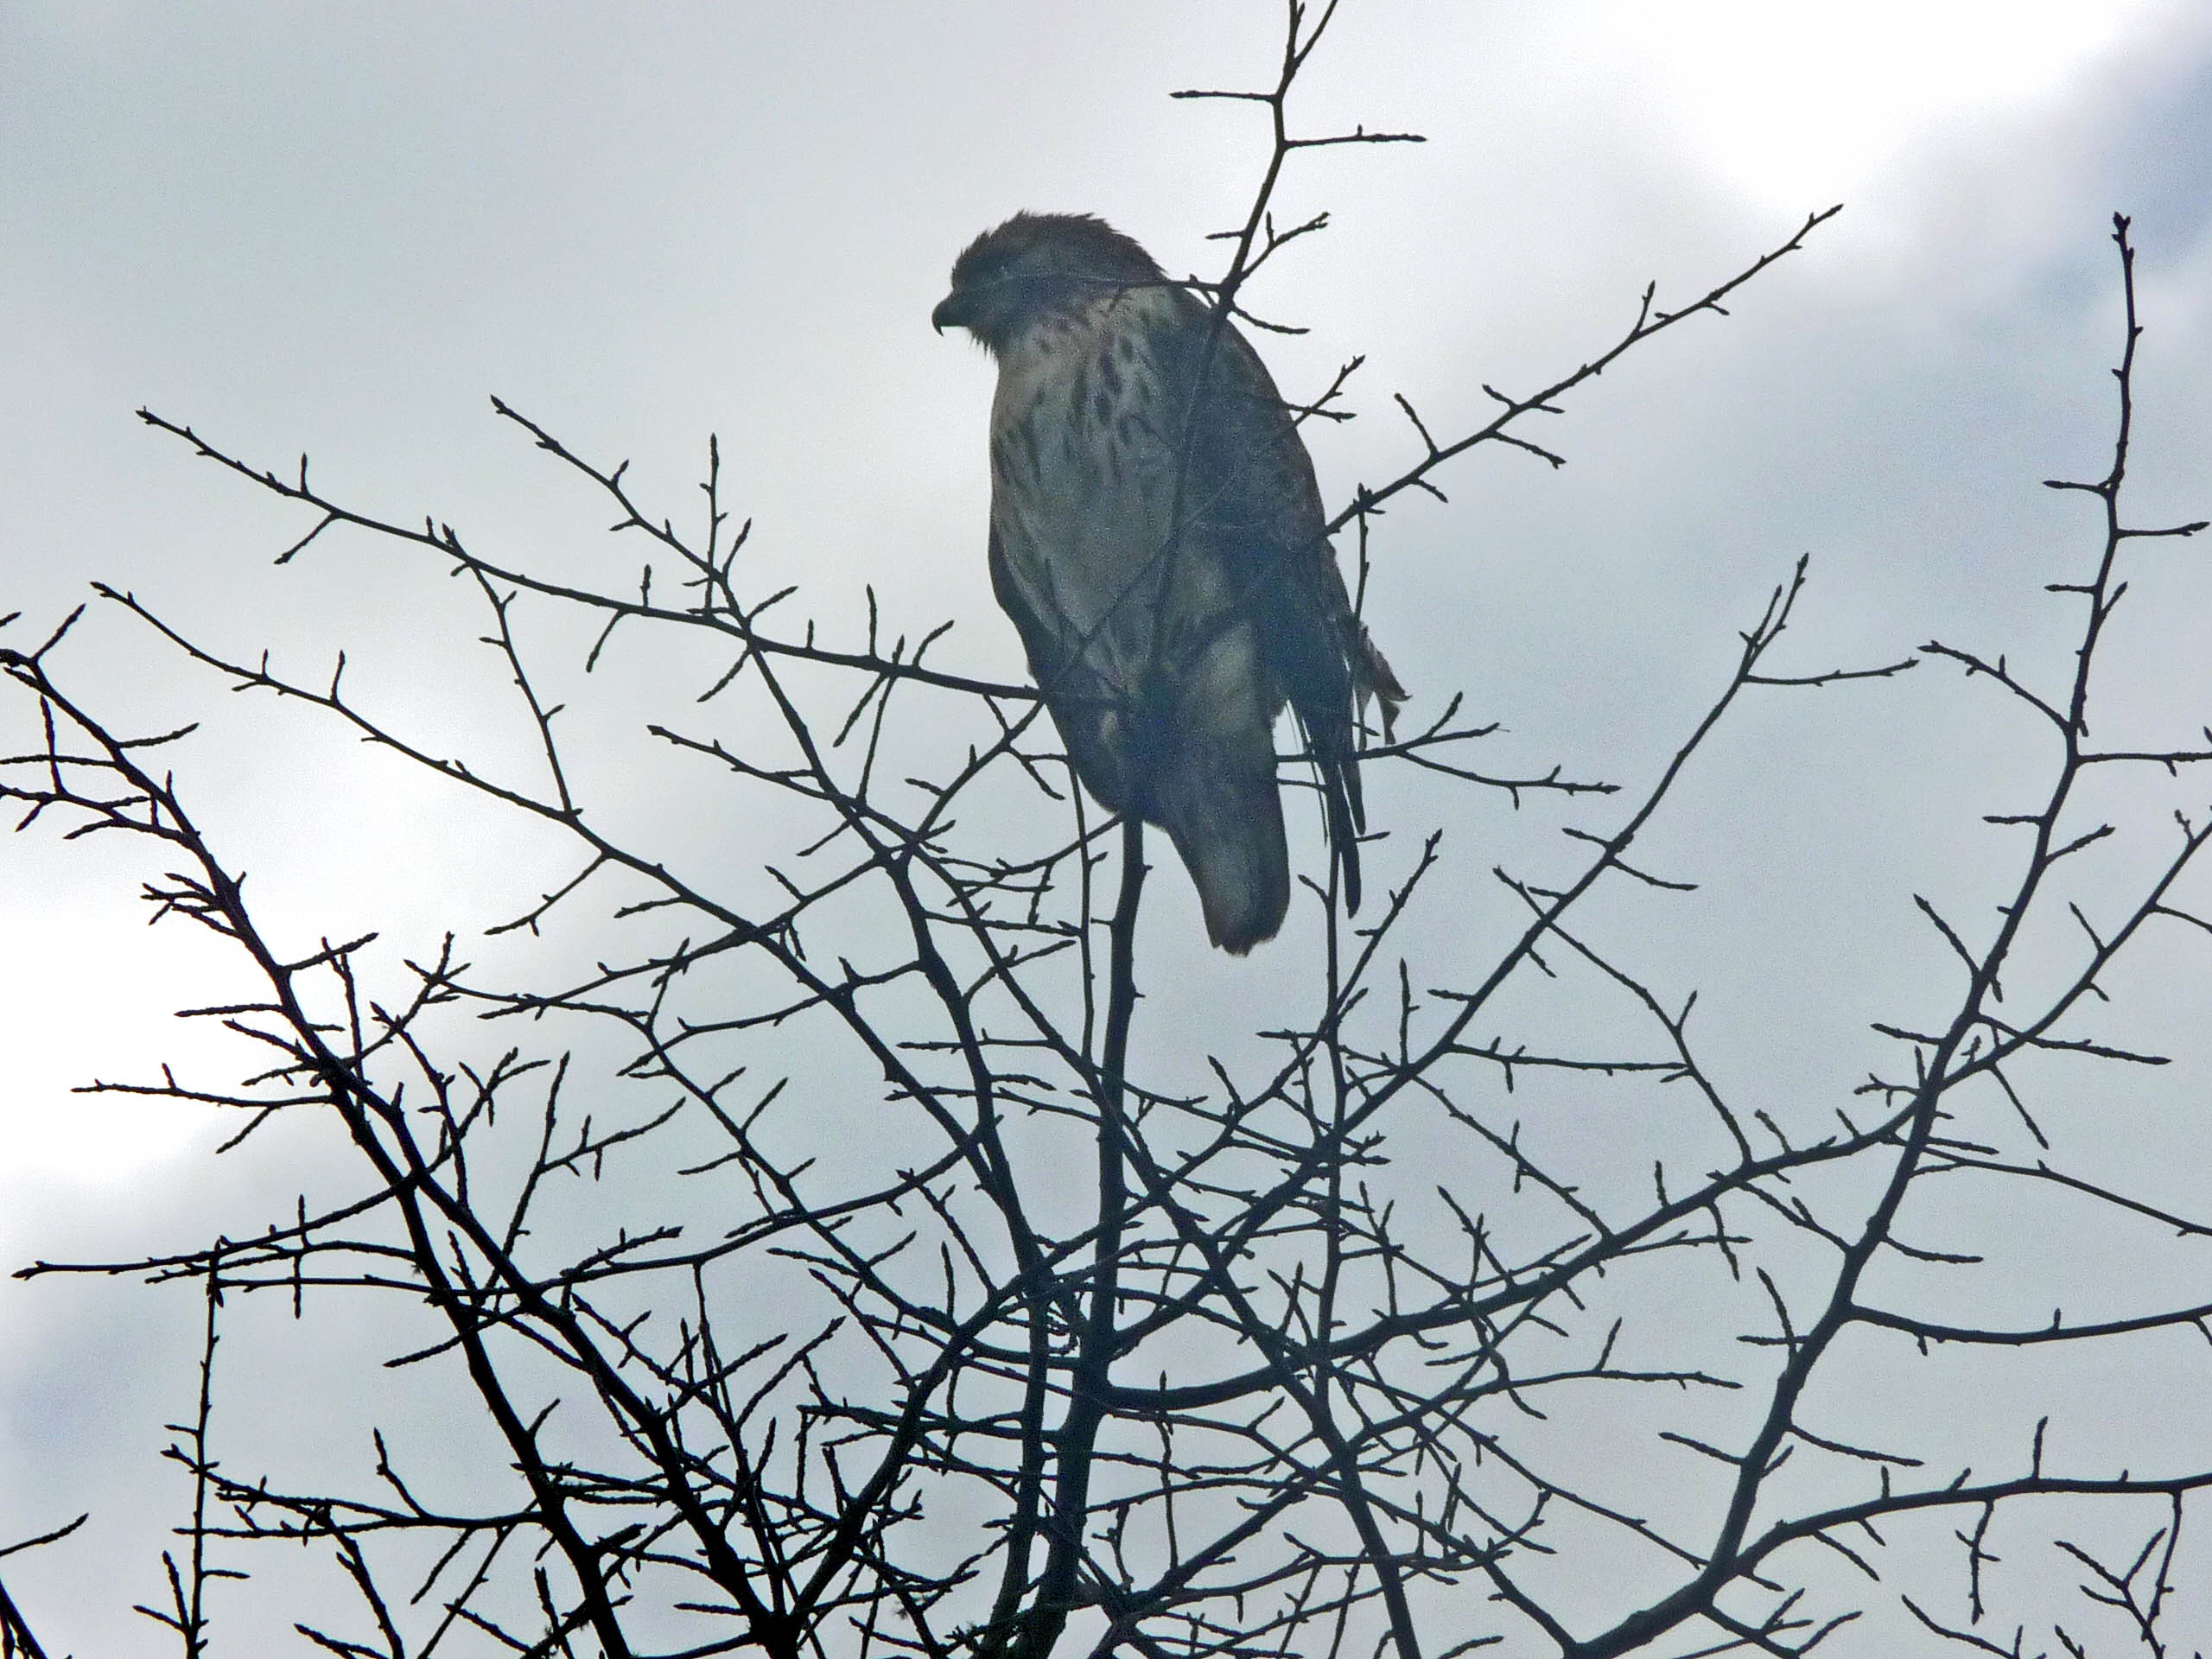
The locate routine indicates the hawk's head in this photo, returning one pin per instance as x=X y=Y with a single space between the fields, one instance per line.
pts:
x=1034 y=266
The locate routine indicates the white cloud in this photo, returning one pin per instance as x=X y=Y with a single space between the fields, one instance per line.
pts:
x=1783 y=99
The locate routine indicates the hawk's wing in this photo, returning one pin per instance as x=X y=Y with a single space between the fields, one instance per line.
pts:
x=1250 y=496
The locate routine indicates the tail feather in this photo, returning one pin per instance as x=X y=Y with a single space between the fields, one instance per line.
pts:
x=1347 y=816
x=1331 y=740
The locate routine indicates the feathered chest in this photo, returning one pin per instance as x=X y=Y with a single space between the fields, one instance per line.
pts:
x=1083 y=443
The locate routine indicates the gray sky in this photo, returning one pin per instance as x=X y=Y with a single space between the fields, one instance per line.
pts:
x=337 y=232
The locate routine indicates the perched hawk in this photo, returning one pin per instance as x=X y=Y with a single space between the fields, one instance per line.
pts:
x=1158 y=538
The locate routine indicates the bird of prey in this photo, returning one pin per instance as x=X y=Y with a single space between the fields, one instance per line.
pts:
x=1158 y=538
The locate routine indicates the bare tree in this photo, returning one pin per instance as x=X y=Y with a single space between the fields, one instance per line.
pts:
x=1108 y=1345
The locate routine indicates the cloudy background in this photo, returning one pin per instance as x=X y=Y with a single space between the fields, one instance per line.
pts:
x=304 y=229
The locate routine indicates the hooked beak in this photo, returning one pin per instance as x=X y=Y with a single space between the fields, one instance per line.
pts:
x=951 y=309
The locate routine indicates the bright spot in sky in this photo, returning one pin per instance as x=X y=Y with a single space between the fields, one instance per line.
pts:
x=1781 y=98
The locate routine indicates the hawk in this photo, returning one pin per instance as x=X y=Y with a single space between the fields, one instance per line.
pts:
x=1157 y=537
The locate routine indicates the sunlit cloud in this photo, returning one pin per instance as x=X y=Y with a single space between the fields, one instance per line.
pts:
x=1780 y=99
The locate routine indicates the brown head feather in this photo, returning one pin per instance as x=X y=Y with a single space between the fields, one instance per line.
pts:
x=1035 y=266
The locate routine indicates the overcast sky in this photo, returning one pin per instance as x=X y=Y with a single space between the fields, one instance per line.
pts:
x=340 y=231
